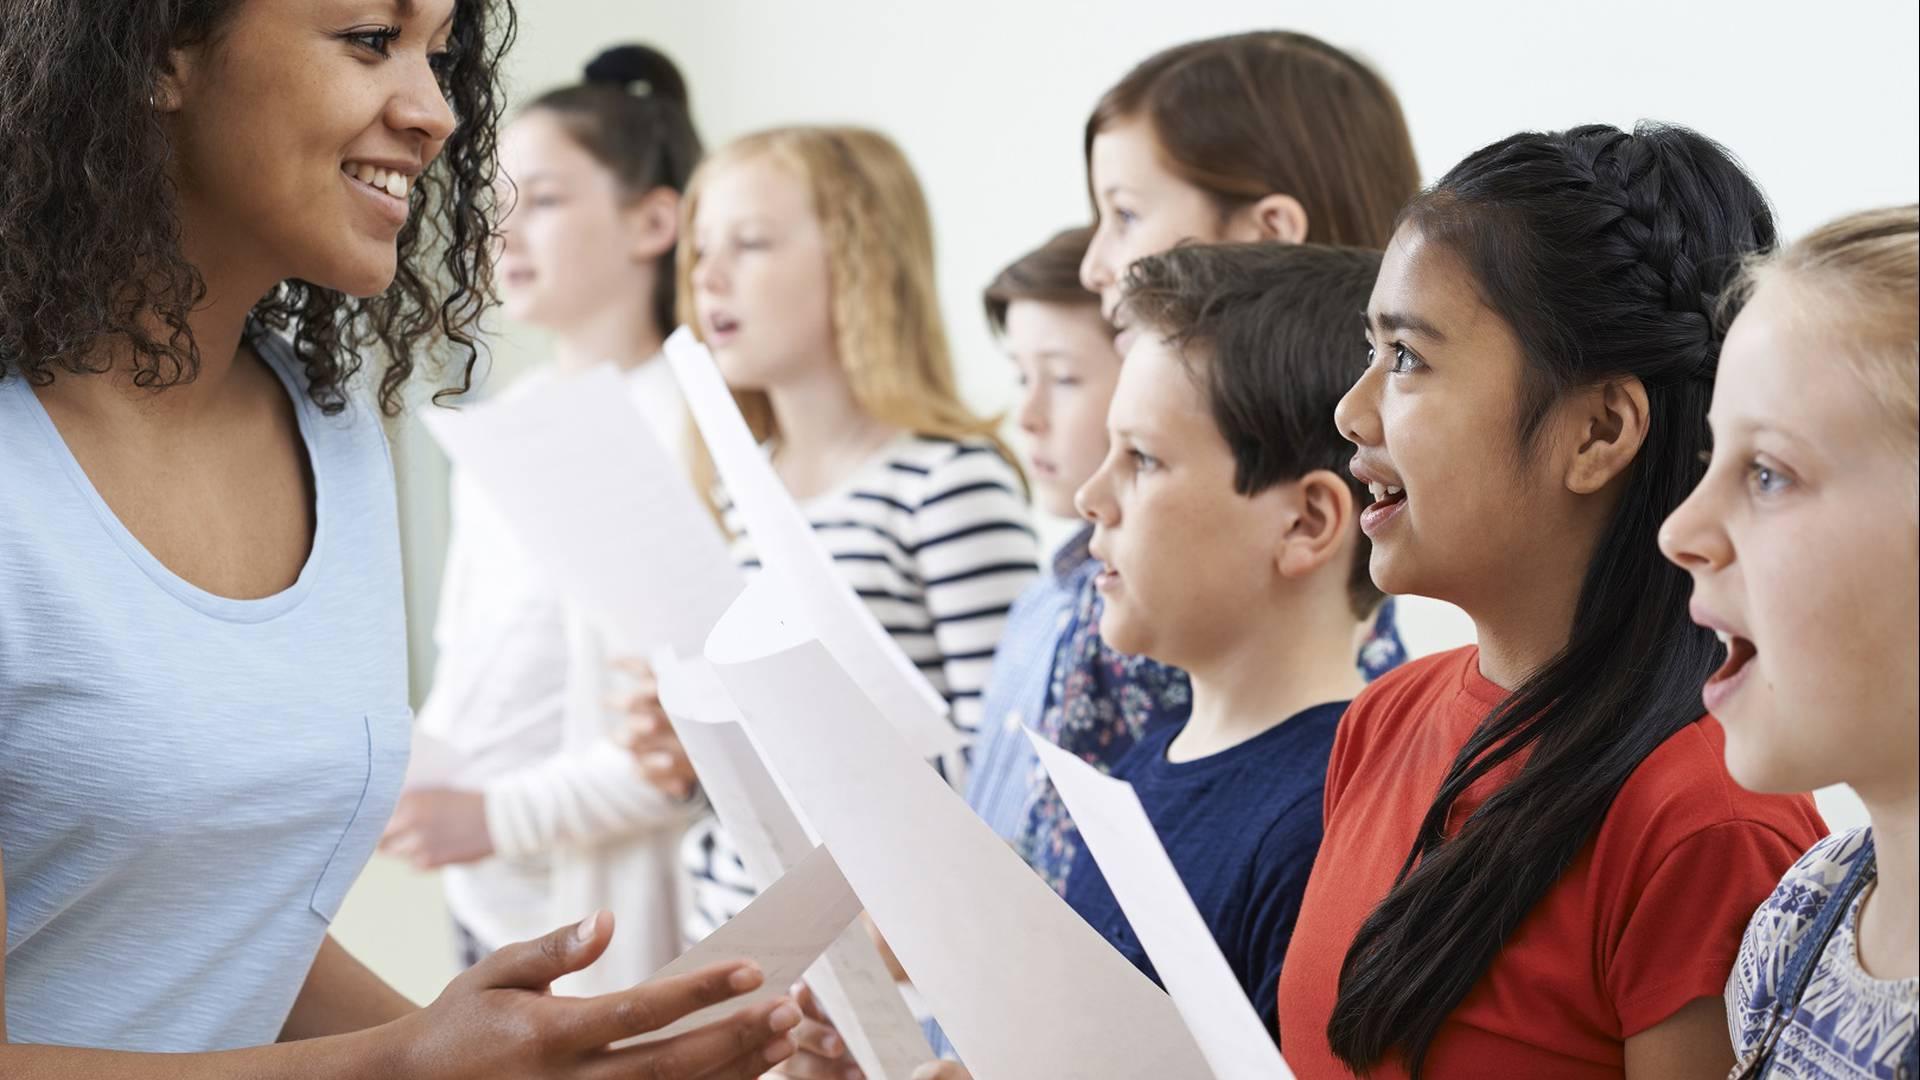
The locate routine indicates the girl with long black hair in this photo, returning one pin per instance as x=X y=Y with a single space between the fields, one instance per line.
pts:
x=1535 y=862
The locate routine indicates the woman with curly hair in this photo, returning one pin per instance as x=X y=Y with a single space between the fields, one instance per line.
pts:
x=213 y=209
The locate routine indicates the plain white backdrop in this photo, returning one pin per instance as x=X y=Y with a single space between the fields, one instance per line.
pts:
x=988 y=99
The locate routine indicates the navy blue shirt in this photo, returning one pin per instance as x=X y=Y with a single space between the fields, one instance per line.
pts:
x=1242 y=827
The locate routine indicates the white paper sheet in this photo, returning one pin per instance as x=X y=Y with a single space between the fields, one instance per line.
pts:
x=795 y=559
x=851 y=981
x=600 y=503
x=1024 y=987
x=1123 y=841
x=587 y=488
x=784 y=930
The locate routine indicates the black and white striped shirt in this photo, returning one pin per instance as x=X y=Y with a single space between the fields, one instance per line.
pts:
x=934 y=535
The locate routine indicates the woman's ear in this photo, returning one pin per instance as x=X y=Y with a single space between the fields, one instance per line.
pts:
x=1273 y=219
x=1611 y=424
x=1319 y=526
x=172 y=78
x=653 y=223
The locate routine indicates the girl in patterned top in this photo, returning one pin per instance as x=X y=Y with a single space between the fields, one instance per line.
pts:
x=810 y=276
x=1802 y=540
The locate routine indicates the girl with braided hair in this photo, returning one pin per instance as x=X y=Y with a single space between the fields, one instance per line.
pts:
x=1535 y=861
x=212 y=210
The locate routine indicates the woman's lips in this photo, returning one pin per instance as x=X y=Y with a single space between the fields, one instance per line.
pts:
x=390 y=209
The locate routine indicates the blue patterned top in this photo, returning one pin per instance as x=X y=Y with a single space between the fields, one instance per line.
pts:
x=999 y=787
x=1101 y=702
x=1849 y=1025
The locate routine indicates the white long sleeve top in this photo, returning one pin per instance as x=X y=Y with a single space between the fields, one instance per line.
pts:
x=518 y=706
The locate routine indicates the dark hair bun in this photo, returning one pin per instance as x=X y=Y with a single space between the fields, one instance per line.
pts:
x=639 y=69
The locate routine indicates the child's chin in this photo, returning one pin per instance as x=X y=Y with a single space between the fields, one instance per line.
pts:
x=1760 y=766
x=1391 y=573
x=1117 y=631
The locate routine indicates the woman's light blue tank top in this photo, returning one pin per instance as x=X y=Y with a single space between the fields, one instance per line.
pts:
x=188 y=783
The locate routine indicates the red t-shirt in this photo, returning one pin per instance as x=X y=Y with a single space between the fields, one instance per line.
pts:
x=1647 y=918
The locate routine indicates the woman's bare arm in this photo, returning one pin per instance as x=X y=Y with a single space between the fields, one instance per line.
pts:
x=341 y=995
x=496 y=1019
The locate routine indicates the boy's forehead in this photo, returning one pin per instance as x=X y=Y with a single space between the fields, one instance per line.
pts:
x=1155 y=380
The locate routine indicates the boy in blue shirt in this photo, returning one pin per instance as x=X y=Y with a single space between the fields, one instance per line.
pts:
x=1227 y=525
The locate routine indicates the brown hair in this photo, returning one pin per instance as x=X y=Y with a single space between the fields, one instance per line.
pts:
x=1250 y=115
x=630 y=112
x=886 y=321
x=1269 y=332
x=1863 y=272
x=1049 y=273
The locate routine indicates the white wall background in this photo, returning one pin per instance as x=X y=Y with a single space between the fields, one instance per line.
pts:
x=988 y=99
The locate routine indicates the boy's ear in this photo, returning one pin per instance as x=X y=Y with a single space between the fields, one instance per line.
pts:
x=653 y=221
x=1273 y=219
x=1320 y=517
x=1610 y=426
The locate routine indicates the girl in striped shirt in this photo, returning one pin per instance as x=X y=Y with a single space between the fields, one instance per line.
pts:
x=810 y=276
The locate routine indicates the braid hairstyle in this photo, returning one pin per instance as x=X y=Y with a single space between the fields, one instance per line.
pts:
x=1606 y=252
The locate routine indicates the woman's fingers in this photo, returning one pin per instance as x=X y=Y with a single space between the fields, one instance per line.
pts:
x=533 y=965
x=658 y=1003
x=745 y=1044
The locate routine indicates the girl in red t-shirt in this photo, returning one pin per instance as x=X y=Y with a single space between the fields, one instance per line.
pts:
x=1535 y=863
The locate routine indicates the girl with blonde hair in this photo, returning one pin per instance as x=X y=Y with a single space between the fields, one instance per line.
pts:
x=1803 y=540
x=809 y=273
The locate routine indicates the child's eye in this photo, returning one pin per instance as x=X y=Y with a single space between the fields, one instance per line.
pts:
x=1067 y=380
x=1404 y=360
x=378 y=40
x=1143 y=462
x=1766 y=480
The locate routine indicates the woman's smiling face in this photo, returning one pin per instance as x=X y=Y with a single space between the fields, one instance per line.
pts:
x=298 y=131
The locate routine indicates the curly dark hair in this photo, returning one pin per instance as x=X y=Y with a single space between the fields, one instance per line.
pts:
x=90 y=233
